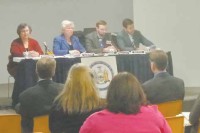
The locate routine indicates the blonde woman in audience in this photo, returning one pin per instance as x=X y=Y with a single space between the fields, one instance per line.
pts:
x=76 y=102
x=126 y=110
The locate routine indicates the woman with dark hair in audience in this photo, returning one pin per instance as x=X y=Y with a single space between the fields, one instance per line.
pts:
x=24 y=43
x=76 y=102
x=126 y=110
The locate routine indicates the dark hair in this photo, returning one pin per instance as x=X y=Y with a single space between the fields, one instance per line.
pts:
x=127 y=22
x=125 y=94
x=45 y=67
x=101 y=22
x=160 y=58
x=22 y=26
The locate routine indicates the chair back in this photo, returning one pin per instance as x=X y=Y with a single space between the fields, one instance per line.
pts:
x=114 y=40
x=88 y=30
x=41 y=124
x=171 y=108
x=176 y=123
x=10 y=123
x=80 y=36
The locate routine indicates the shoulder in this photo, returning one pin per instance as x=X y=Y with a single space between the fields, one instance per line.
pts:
x=98 y=114
x=90 y=35
x=59 y=37
x=31 y=40
x=74 y=38
x=149 y=108
x=16 y=41
x=121 y=33
x=178 y=79
x=151 y=111
x=57 y=85
x=137 y=32
x=28 y=92
x=146 y=83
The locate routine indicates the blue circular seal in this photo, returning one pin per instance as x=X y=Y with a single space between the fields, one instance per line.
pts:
x=103 y=74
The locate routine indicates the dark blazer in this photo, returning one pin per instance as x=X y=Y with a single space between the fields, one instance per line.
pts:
x=36 y=101
x=125 y=44
x=164 y=87
x=195 y=115
x=92 y=43
x=61 y=122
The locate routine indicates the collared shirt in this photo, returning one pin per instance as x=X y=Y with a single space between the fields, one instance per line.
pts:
x=40 y=79
x=131 y=38
x=100 y=40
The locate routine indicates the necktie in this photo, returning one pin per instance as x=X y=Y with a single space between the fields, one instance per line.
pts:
x=101 y=42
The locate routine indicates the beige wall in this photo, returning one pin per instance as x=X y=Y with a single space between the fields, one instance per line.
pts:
x=45 y=17
x=173 y=25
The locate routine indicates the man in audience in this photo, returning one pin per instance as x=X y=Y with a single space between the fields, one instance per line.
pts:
x=162 y=87
x=195 y=116
x=129 y=39
x=37 y=100
x=98 y=41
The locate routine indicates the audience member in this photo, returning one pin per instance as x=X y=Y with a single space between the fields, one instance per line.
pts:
x=76 y=102
x=66 y=42
x=195 y=115
x=162 y=87
x=126 y=110
x=130 y=39
x=98 y=41
x=37 y=100
x=23 y=44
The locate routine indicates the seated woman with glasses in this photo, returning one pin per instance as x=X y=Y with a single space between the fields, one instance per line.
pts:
x=23 y=44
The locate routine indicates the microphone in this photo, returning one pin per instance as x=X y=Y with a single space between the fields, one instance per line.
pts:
x=47 y=50
x=45 y=46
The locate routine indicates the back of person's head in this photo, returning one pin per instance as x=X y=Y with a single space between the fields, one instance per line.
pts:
x=101 y=22
x=159 y=58
x=80 y=93
x=22 y=26
x=125 y=94
x=127 y=22
x=45 y=67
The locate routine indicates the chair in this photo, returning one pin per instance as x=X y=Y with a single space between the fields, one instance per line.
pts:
x=88 y=30
x=171 y=108
x=41 y=124
x=176 y=123
x=10 y=123
x=114 y=39
x=199 y=130
x=80 y=36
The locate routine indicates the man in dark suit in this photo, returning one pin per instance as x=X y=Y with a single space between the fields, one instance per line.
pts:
x=98 y=41
x=130 y=39
x=195 y=116
x=37 y=100
x=162 y=87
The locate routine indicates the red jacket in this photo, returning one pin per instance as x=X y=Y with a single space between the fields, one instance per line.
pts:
x=17 y=47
